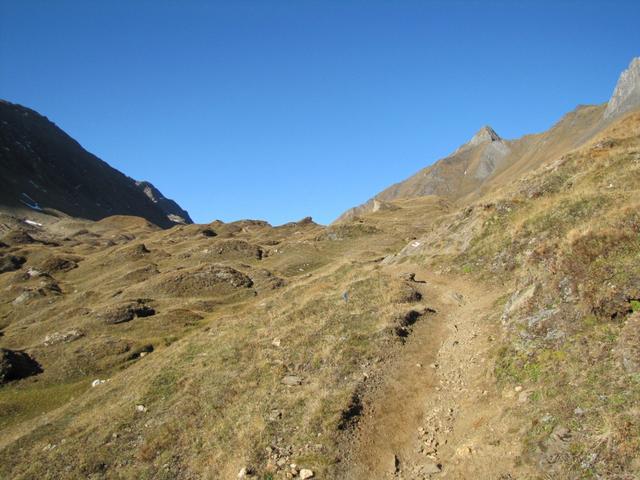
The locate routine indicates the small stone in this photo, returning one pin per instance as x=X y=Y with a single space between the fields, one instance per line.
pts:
x=274 y=416
x=292 y=380
x=419 y=365
x=306 y=473
x=276 y=342
x=32 y=272
x=141 y=408
x=245 y=472
x=97 y=382
x=409 y=276
x=579 y=411
x=561 y=433
x=394 y=466
x=430 y=468
x=518 y=388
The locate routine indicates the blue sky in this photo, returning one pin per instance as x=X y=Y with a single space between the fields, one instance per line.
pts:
x=282 y=109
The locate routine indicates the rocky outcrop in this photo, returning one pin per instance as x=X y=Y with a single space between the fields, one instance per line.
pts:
x=171 y=209
x=626 y=95
x=485 y=135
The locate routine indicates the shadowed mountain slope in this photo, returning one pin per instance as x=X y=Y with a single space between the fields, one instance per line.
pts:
x=43 y=168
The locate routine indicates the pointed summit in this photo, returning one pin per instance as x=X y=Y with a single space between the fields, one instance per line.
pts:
x=485 y=135
x=626 y=95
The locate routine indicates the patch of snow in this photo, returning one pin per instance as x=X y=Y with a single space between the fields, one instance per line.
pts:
x=30 y=202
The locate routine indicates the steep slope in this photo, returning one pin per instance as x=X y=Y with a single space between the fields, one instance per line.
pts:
x=488 y=160
x=626 y=95
x=170 y=208
x=461 y=172
x=43 y=168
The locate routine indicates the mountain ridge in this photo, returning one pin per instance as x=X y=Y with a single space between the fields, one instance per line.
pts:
x=45 y=169
x=486 y=154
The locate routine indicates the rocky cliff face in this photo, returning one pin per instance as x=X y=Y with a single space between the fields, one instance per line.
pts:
x=485 y=135
x=171 y=209
x=44 y=169
x=626 y=95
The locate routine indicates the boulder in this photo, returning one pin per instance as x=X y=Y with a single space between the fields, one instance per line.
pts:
x=56 y=264
x=306 y=473
x=124 y=312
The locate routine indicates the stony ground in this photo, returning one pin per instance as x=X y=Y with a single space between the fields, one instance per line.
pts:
x=438 y=413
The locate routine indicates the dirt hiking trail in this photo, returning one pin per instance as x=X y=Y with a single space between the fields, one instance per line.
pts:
x=437 y=413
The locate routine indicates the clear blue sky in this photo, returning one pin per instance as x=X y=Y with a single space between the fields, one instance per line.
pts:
x=282 y=109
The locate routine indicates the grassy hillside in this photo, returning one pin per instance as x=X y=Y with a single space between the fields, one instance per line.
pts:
x=202 y=350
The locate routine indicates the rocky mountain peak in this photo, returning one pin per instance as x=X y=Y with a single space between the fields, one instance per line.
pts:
x=485 y=135
x=626 y=95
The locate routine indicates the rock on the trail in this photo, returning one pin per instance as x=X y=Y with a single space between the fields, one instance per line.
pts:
x=306 y=473
x=458 y=297
x=394 y=465
x=431 y=468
